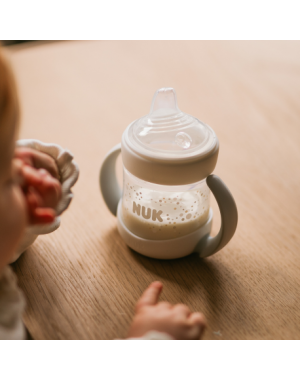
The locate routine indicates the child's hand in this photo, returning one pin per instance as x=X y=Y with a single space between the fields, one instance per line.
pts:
x=37 y=160
x=41 y=190
x=177 y=321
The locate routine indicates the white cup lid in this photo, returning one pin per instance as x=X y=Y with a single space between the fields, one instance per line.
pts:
x=166 y=132
x=168 y=136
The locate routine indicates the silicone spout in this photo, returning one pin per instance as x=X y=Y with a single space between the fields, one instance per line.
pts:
x=164 y=102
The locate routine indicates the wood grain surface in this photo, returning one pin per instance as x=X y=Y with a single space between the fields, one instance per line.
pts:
x=82 y=281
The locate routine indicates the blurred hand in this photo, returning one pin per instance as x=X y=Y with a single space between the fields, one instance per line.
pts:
x=37 y=174
x=176 y=320
x=37 y=160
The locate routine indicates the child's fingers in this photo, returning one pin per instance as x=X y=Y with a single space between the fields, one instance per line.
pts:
x=197 y=318
x=37 y=159
x=182 y=310
x=31 y=176
x=37 y=213
x=50 y=190
x=24 y=154
x=43 y=216
x=44 y=161
x=33 y=199
x=17 y=166
x=150 y=295
x=197 y=322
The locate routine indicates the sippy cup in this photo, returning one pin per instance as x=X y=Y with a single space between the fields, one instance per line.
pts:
x=168 y=157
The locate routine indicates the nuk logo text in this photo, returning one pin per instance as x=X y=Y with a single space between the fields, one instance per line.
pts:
x=147 y=215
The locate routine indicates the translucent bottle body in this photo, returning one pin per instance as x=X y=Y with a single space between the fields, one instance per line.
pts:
x=158 y=212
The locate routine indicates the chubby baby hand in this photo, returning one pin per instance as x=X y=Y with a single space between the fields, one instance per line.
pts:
x=39 y=180
x=176 y=320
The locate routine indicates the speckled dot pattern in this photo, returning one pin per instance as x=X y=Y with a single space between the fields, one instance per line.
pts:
x=160 y=215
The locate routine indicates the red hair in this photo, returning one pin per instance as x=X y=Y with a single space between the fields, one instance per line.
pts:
x=9 y=106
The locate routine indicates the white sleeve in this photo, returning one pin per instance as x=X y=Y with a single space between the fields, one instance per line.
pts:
x=12 y=304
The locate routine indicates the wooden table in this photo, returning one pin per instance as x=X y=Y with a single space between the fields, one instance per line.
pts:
x=82 y=281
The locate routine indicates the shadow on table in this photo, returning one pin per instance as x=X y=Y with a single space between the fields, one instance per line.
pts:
x=180 y=270
x=191 y=274
x=214 y=287
x=207 y=284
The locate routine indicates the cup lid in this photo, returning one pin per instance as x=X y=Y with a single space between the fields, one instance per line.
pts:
x=167 y=132
x=168 y=146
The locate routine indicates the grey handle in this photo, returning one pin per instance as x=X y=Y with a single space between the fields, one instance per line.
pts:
x=229 y=217
x=108 y=180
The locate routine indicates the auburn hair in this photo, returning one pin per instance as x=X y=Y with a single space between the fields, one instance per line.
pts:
x=9 y=103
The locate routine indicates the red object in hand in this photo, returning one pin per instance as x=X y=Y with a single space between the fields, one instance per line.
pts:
x=42 y=190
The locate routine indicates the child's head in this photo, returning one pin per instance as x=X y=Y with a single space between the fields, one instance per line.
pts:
x=12 y=203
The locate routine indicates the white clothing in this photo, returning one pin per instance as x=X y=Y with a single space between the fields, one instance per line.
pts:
x=12 y=304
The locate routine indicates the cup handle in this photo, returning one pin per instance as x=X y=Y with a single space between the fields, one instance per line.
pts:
x=109 y=185
x=209 y=245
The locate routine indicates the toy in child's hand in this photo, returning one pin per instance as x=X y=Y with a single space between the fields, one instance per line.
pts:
x=176 y=320
x=42 y=190
x=60 y=163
